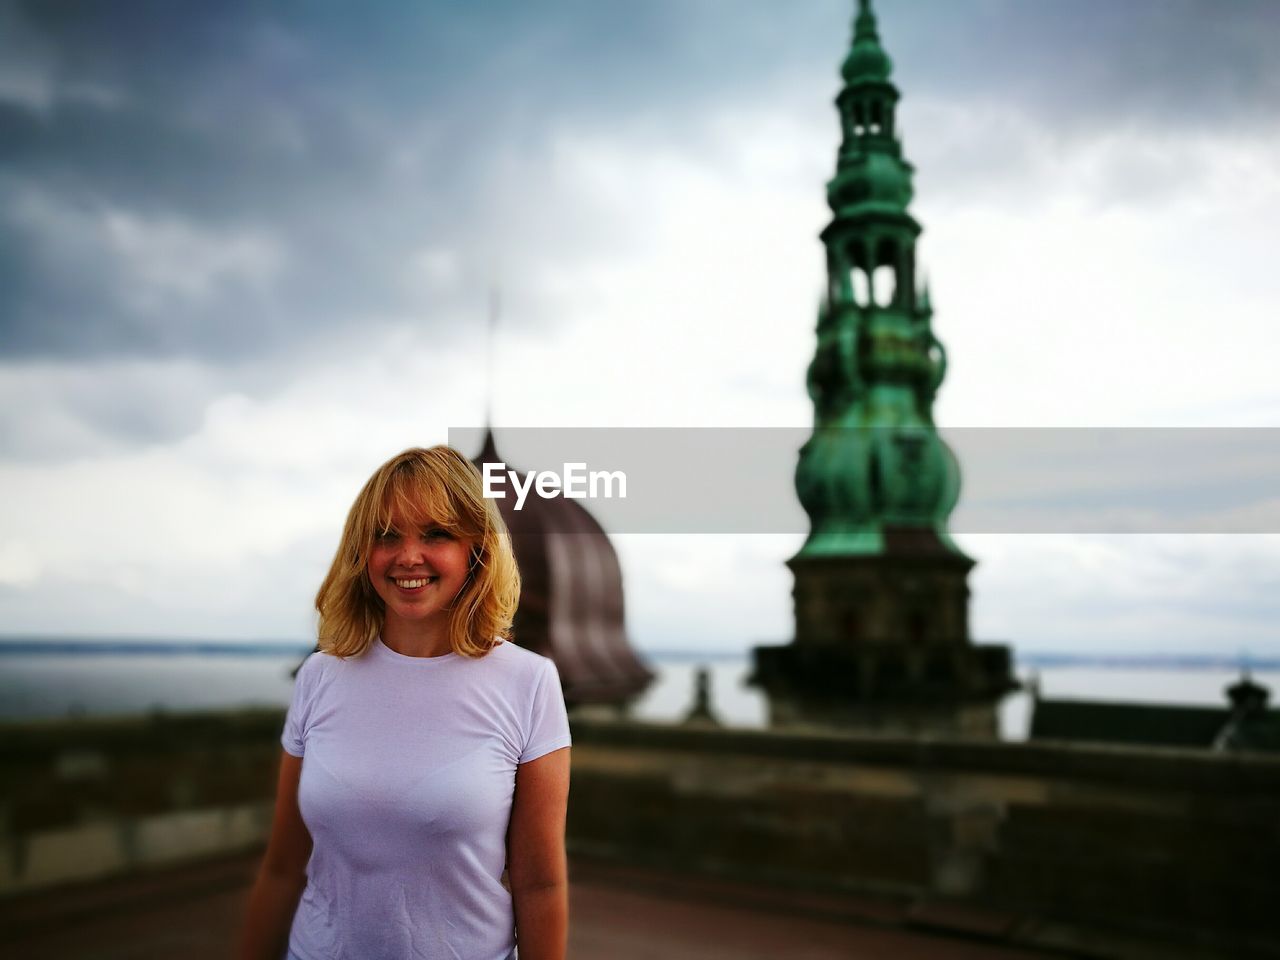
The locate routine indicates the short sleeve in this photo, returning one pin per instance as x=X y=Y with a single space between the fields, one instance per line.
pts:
x=293 y=739
x=548 y=720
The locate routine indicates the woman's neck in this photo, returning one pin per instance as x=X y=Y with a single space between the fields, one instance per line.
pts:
x=416 y=638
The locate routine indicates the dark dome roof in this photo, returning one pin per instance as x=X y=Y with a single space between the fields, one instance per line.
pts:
x=571 y=606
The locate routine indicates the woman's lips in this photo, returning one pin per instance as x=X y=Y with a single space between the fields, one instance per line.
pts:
x=413 y=584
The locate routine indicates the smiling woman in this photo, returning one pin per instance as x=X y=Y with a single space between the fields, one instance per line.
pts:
x=424 y=752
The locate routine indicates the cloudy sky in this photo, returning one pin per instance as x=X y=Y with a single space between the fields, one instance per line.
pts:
x=246 y=252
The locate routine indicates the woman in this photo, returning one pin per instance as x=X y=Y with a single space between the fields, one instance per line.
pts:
x=423 y=749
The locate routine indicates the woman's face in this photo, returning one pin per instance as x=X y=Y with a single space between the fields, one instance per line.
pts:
x=417 y=571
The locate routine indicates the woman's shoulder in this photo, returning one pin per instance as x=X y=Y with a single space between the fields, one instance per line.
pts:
x=316 y=666
x=512 y=658
x=507 y=651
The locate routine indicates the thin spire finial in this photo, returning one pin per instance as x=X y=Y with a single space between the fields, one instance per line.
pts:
x=864 y=26
x=490 y=340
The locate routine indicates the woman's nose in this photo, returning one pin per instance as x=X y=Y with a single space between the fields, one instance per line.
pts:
x=411 y=552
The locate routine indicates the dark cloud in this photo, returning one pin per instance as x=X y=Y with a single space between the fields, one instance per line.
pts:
x=217 y=180
x=332 y=146
x=1195 y=65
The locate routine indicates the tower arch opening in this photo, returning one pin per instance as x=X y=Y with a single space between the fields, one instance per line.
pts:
x=861 y=285
x=884 y=276
x=884 y=282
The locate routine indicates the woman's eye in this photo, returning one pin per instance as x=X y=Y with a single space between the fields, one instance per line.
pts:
x=436 y=533
x=387 y=536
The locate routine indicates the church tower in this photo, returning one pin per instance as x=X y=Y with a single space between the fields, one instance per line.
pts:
x=881 y=598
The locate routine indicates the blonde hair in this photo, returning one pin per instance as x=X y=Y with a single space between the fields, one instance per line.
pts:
x=443 y=487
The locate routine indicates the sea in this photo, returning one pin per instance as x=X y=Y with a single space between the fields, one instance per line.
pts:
x=43 y=678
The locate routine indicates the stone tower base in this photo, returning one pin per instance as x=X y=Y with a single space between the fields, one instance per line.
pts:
x=944 y=688
x=882 y=644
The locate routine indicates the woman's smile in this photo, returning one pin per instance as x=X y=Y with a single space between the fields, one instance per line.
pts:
x=414 y=585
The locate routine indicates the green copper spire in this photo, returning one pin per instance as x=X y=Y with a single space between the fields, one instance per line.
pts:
x=881 y=591
x=874 y=463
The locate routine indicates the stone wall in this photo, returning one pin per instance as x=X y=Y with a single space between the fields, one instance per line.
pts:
x=1175 y=846
x=85 y=799
x=1167 y=846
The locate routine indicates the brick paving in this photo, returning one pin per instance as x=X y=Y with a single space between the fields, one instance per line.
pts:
x=193 y=913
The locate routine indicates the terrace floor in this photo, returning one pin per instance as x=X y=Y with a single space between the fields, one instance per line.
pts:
x=194 y=912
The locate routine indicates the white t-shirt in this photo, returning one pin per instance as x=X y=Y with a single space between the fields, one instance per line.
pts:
x=408 y=772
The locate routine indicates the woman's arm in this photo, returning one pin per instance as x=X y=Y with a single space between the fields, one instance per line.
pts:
x=283 y=874
x=535 y=856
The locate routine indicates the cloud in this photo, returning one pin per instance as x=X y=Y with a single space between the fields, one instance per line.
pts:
x=57 y=410
x=148 y=157
x=1125 y=594
x=1190 y=65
